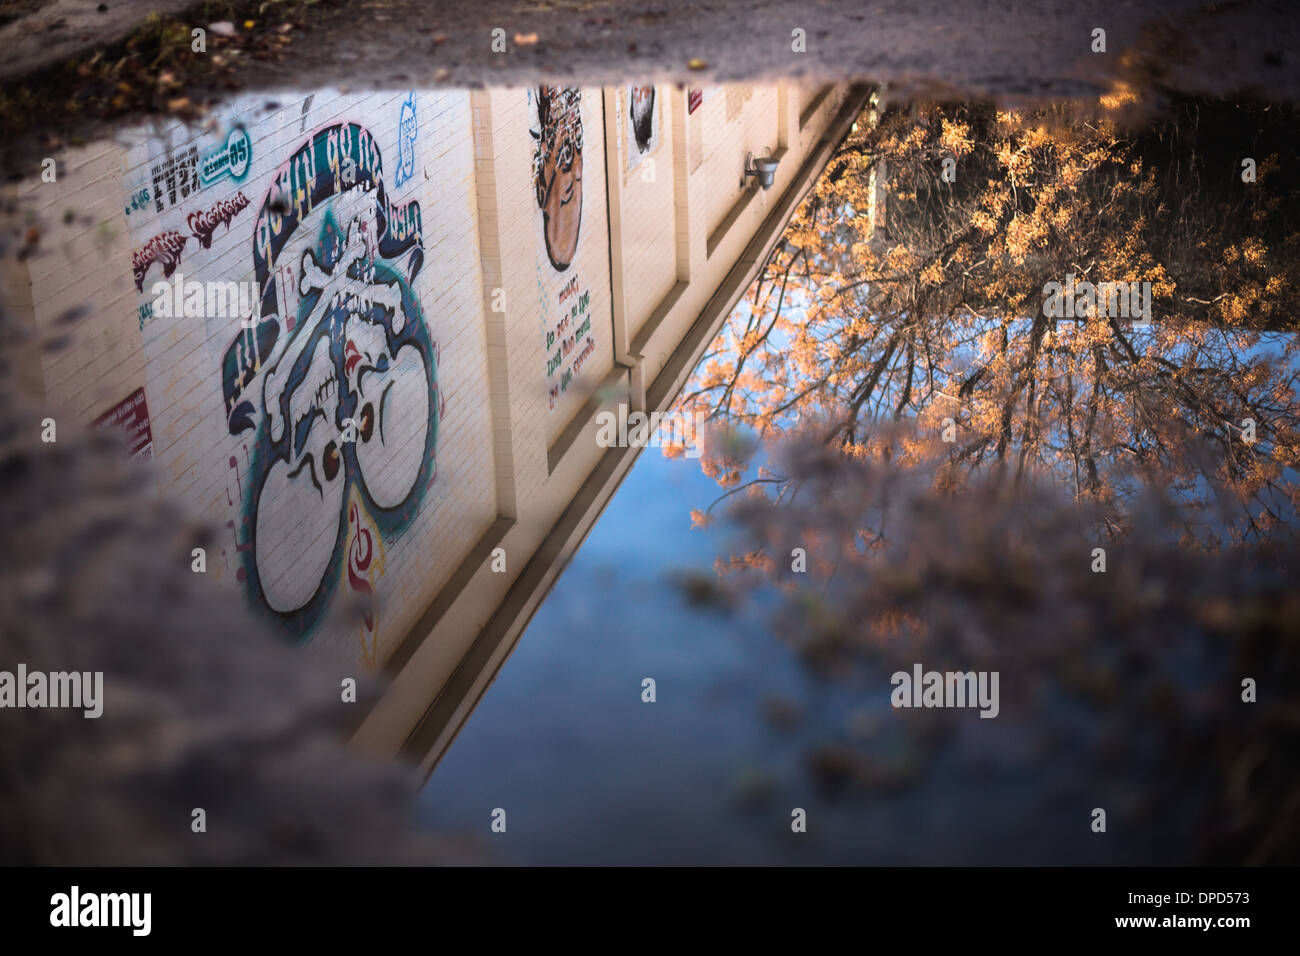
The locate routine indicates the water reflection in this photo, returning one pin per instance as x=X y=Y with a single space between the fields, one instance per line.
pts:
x=1045 y=292
x=1032 y=414
x=1015 y=395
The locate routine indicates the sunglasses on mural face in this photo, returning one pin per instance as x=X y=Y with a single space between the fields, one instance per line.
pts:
x=545 y=178
x=569 y=151
x=559 y=141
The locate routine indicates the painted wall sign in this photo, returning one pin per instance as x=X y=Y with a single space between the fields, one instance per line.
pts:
x=563 y=295
x=204 y=222
x=131 y=414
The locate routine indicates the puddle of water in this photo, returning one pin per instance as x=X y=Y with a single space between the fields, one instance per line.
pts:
x=367 y=337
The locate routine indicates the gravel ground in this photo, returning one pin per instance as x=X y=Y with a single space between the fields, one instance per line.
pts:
x=64 y=60
x=1034 y=48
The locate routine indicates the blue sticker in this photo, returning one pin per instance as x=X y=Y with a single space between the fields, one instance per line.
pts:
x=232 y=158
x=406 y=142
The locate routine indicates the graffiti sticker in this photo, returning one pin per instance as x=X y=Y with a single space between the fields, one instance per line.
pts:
x=231 y=158
x=407 y=129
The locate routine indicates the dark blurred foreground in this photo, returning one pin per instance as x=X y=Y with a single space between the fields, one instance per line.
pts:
x=203 y=707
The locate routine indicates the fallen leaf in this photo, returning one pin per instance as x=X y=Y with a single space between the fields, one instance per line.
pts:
x=696 y=64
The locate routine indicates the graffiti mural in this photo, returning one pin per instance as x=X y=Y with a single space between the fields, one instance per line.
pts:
x=334 y=379
x=642 y=124
x=564 y=296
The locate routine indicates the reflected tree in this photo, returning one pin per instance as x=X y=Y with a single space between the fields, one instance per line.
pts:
x=902 y=293
x=972 y=475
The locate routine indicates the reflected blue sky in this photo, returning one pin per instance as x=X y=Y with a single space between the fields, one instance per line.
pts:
x=589 y=774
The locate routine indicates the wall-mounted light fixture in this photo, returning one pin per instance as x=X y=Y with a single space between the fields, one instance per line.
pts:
x=764 y=168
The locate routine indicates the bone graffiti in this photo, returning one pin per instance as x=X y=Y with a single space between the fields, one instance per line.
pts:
x=336 y=378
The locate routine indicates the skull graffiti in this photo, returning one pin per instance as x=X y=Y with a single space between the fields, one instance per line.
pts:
x=348 y=401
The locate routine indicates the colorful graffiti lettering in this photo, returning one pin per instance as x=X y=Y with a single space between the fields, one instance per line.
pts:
x=164 y=248
x=343 y=399
x=204 y=223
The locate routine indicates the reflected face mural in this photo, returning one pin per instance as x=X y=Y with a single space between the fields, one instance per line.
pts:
x=336 y=376
x=642 y=114
x=557 y=169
